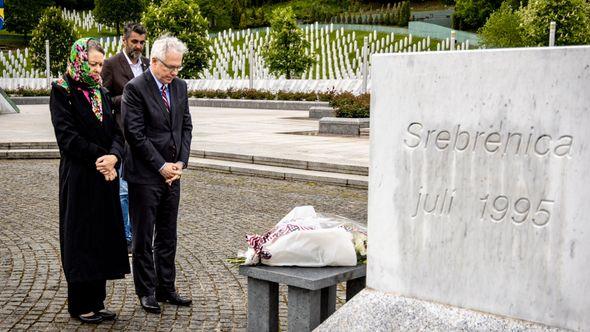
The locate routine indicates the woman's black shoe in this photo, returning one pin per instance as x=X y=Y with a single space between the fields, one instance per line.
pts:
x=92 y=319
x=107 y=314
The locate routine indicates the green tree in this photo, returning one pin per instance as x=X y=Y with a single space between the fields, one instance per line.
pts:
x=182 y=19
x=404 y=14
x=503 y=28
x=516 y=4
x=75 y=4
x=472 y=14
x=571 y=16
x=117 y=12
x=21 y=16
x=285 y=52
x=222 y=14
x=61 y=36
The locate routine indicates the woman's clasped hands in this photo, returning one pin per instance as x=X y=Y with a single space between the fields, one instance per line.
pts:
x=106 y=166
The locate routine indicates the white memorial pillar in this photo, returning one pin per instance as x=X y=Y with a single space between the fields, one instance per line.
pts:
x=552 y=27
x=47 y=64
x=365 y=70
x=251 y=60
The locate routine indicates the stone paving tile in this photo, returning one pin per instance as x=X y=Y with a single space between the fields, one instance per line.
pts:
x=216 y=211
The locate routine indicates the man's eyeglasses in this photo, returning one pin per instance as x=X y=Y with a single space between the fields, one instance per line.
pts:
x=169 y=67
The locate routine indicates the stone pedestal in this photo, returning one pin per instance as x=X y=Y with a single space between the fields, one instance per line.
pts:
x=373 y=311
x=342 y=126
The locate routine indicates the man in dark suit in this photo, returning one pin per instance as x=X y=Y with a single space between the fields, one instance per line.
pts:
x=116 y=72
x=158 y=130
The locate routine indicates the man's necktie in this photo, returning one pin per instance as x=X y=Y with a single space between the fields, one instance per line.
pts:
x=165 y=98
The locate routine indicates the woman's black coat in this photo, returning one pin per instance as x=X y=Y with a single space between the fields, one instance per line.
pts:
x=92 y=240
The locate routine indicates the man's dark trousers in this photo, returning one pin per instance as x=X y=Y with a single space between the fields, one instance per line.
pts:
x=154 y=208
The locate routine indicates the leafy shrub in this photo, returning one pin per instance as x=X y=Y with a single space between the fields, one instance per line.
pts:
x=211 y=94
x=326 y=96
x=312 y=11
x=22 y=92
x=503 y=28
x=116 y=12
x=529 y=26
x=21 y=16
x=61 y=36
x=253 y=18
x=221 y=14
x=309 y=96
x=285 y=52
x=405 y=13
x=348 y=105
x=234 y=94
x=571 y=16
x=472 y=14
x=182 y=19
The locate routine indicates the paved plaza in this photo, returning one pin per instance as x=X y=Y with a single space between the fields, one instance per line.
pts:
x=265 y=133
x=216 y=211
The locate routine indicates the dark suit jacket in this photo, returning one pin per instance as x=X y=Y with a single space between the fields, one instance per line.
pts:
x=153 y=135
x=115 y=75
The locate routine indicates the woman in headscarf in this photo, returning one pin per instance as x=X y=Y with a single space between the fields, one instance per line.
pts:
x=92 y=240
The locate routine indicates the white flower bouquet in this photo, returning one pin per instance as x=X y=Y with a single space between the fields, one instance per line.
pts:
x=306 y=238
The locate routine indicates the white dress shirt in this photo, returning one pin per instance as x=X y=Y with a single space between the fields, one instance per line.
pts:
x=135 y=67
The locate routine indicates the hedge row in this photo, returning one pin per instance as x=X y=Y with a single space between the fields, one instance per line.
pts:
x=253 y=94
x=347 y=105
x=20 y=92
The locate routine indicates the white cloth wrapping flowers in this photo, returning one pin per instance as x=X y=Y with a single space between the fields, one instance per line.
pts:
x=305 y=238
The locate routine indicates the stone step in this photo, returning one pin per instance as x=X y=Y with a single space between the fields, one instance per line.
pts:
x=277 y=172
x=29 y=154
x=233 y=167
x=27 y=145
x=18 y=149
x=364 y=131
x=282 y=162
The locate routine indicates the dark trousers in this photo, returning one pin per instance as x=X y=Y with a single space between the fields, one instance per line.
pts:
x=153 y=210
x=85 y=297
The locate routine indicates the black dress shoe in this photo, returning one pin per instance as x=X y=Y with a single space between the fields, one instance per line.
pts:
x=107 y=314
x=174 y=298
x=150 y=304
x=92 y=319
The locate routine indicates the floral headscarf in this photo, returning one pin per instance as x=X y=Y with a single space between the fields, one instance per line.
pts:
x=79 y=70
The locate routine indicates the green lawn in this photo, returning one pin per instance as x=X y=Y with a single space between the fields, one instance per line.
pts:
x=9 y=40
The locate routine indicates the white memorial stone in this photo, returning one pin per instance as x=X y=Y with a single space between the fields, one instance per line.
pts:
x=479 y=190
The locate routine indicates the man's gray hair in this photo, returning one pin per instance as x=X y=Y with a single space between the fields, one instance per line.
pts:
x=166 y=43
